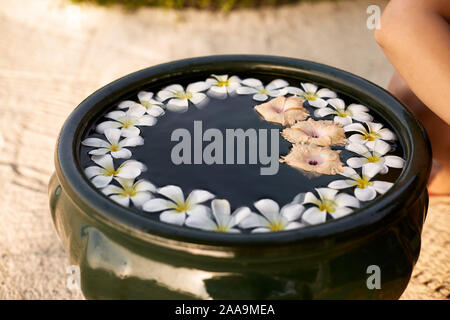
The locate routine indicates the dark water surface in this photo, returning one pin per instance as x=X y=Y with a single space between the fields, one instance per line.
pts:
x=241 y=184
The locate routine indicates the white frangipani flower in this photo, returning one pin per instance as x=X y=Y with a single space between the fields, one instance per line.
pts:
x=261 y=93
x=103 y=174
x=344 y=115
x=179 y=98
x=272 y=218
x=365 y=189
x=222 y=85
x=373 y=132
x=138 y=192
x=177 y=208
x=329 y=201
x=127 y=122
x=113 y=144
x=375 y=154
x=310 y=93
x=149 y=105
x=221 y=219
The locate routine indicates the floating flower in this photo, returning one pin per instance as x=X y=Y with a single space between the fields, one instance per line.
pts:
x=285 y=111
x=177 y=208
x=365 y=189
x=138 y=192
x=310 y=93
x=261 y=93
x=113 y=144
x=321 y=133
x=222 y=85
x=272 y=218
x=376 y=154
x=221 y=219
x=150 y=106
x=127 y=122
x=312 y=158
x=344 y=115
x=179 y=98
x=374 y=131
x=329 y=202
x=103 y=174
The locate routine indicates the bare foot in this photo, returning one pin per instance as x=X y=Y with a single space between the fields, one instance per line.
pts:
x=438 y=132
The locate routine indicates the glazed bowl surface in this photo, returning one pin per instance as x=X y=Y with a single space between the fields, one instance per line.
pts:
x=125 y=255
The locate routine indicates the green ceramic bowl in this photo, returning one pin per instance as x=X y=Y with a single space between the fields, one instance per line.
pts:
x=124 y=255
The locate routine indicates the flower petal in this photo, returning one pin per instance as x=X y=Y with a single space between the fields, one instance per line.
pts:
x=93 y=171
x=382 y=186
x=309 y=87
x=140 y=198
x=95 y=142
x=292 y=211
x=111 y=189
x=370 y=170
x=394 y=161
x=172 y=192
x=294 y=225
x=253 y=220
x=101 y=181
x=346 y=200
x=260 y=97
x=120 y=199
x=341 y=212
x=251 y=82
x=121 y=154
x=143 y=185
x=239 y=215
x=365 y=194
x=200 y=222
x=356 y=162
x=173 y=217
x=246 y=90
x=105 y=161
x=198 y=98
x=177 y=105
x=101 y=127
x=197 y=87
x=154 y=205
x=318 y=103
x=268 y=208
x=147 y=121
x=326 y=93
x=132 y=141
x=221 y=211
x=113 y=135
x=277 y=84
x=341 y=184
x=199 y=196
x=314 y=216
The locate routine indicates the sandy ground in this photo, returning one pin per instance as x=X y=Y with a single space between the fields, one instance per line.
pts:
x=52 y=55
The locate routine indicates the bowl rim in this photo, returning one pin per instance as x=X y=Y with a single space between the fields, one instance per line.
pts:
x=388 y=208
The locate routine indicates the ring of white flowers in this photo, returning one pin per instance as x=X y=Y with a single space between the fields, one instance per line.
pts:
x=368 y=143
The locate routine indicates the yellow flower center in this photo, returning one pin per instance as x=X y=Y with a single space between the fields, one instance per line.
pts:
x=263 y=91
x=184 y=95
x=181 y=207
x=111 y=172
x=129 y=191
x=373 y=158
x=328 y=206
x=114 y=147
x=146 y=104
x=370 y=136
x=223 y=83
x=344 y=113
x=221 y=229
x=127 y=123
x=363 y=183
x=276 y=226
x=309 y=96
